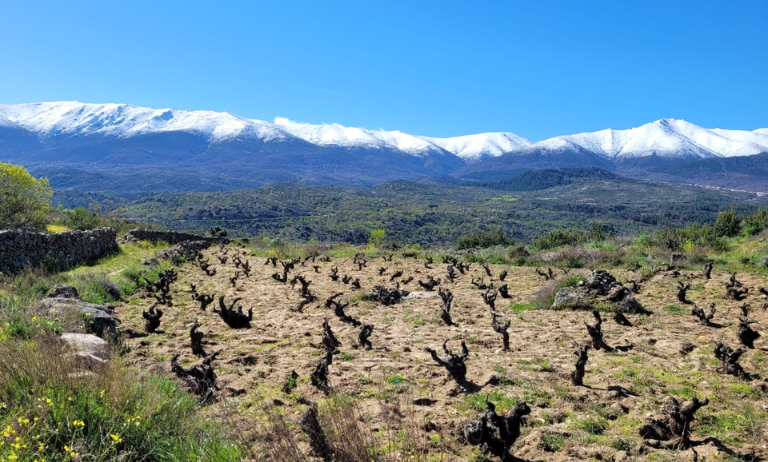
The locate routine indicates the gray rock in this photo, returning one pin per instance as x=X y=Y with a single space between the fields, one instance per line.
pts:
x=99 y=320
x=762 y=262
x=571 y=298
x=87 y=344
x=62 y=291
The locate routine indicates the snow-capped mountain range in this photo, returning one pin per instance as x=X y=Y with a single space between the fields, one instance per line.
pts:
x=122 y=120
x=672 y=138
x=95 y=146
x=664 y=138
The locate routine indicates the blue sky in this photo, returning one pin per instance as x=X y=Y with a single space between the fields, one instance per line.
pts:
x=535 y=68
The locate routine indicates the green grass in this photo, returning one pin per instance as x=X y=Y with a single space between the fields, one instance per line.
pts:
x=593 y=426
x=502 y=401
x=553 y=442
x=114 y=415
x=520 y=307
x=574 y=281
x=673 y=309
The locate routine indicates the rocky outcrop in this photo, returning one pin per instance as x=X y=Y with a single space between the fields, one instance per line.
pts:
x=21 y=249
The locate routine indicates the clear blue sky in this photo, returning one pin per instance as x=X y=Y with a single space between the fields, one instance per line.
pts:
x=536 y=68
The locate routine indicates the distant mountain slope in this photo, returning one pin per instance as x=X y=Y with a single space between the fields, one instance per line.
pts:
x=131 y=149
x=662 y=144
x=437 y=214
x=748 y=173
x=537 y=180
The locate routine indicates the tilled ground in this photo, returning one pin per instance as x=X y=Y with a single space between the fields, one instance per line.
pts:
x=400 y=390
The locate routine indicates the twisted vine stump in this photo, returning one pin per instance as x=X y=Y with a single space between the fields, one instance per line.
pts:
x=500 y=328
x=234 y=318
x=673 y=428
x=582 y=353
x=453 y=363
x=310 y=425
x=682 y=293
x=704 y=318
x=729 y=360
x=747 y=335
x=196 y=339
x=201 y=378
x=595 y=332
x=430 y=284
x=365 y=332
x=619 y=318
x=496 y=434
x=152 y=318
x=489 y=298
x=447 y=297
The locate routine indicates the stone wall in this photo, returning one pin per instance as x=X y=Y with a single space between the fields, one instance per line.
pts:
x=170 y=237
x=20 y=249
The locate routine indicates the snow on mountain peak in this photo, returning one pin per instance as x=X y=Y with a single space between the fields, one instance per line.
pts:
x=675 y=138
x=340 y=135
x=470 y=147
x=477 y=147
x=672 y=138
x=75 y=118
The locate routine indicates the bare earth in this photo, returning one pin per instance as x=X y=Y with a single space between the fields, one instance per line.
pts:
x=392 y=380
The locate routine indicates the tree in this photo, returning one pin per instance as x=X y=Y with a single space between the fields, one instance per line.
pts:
x=24 y=200
x=728 y=224
x=378 y=237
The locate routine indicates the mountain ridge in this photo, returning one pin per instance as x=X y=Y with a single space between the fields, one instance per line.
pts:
x=72 y=140
x=664 y=137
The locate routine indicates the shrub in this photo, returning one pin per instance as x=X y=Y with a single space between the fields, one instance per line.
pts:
x=482 y=239
x=377 y=238
x=25 y=200
x=560 y=238
x=728 y=224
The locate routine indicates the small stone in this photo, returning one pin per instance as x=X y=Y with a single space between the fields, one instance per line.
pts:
x=704 y=340
x=620 y=456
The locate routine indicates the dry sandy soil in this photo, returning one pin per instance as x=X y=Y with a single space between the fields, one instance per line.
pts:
x=400 y=391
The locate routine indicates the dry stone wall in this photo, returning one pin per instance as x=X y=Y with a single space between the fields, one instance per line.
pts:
x=20 y=249
x=170 y=237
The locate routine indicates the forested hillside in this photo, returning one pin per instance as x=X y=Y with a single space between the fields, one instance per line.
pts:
x=431 y=214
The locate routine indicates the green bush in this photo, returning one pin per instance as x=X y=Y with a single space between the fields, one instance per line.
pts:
x=26 y=200
x=728 y=224
x=560 y=238
x=483 y=239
